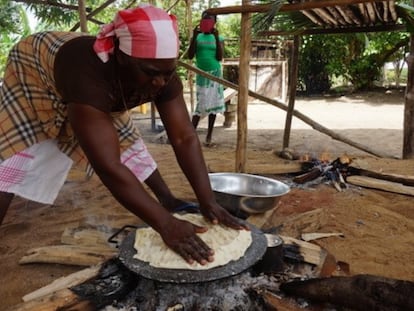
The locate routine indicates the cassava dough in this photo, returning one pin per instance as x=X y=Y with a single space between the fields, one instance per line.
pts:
x=228 y=244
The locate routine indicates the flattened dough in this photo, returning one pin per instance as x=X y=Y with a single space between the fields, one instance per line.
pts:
x=228 y=244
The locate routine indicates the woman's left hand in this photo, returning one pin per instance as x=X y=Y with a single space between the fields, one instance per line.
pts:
x=217 y=214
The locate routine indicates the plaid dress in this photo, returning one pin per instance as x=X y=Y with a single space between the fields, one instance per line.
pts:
x=31 y=110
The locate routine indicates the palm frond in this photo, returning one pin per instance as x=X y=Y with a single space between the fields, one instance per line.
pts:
x=293 y=22
x=406 y=13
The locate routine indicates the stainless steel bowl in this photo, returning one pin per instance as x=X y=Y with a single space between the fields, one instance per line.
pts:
x=251 y=194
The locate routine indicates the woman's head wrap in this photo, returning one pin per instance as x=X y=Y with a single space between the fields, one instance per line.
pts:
x=143 y=32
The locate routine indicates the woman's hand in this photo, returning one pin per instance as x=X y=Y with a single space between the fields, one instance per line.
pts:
x=181 y=237
x=217 y=214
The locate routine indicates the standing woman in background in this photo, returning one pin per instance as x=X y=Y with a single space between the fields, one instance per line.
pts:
x=207 y=46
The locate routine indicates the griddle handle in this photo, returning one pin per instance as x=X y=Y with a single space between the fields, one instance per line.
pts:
x=112 y=237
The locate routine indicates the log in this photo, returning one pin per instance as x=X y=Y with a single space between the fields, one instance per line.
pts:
x=373 y=183
x=359 y=292
x=64 y=282
x=406 y=180
x=68 y=255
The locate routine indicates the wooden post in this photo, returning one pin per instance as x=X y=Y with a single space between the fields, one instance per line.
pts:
x=243 y=98
x=82 y=16
x=190 y=74
x=408 y=139
x=293 y=77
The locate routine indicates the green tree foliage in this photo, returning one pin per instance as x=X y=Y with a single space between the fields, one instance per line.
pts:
x=10 y=35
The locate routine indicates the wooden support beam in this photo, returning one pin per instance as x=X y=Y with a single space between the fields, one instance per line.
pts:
x=263 y=8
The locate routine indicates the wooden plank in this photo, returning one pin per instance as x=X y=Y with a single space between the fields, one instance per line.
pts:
x=64 y=282
x=68 y=255
x=369 y=182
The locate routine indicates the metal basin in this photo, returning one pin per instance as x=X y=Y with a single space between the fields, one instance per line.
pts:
x=248 y=193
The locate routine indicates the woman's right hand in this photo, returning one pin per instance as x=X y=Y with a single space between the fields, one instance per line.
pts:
x=181 y=236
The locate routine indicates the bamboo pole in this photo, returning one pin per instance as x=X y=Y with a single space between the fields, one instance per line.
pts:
x=296 y=113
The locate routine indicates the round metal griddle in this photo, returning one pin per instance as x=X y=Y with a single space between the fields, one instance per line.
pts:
x=253 y=254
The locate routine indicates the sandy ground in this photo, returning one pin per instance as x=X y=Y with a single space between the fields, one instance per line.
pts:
x=377 y=226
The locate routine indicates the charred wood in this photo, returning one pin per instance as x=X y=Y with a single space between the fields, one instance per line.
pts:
x=308 y=176
x=360 y=292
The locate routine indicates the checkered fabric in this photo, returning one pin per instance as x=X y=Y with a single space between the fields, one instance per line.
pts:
x=31 y=109
x=143 y=32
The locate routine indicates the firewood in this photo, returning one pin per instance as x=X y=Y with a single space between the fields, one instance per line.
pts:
x=61 y=300
x=64 y=282
x=308 y=176
x=359 y=292
x=316 y=235
x=407 y=180
x=68 y=255
x=305 y=251
x=379 y=184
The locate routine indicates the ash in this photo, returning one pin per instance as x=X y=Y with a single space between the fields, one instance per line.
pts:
x=238 y=292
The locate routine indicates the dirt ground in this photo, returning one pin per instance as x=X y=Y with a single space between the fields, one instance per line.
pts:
x=377 y=226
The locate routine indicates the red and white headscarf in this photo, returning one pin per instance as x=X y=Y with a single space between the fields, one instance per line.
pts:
x=143 y=32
